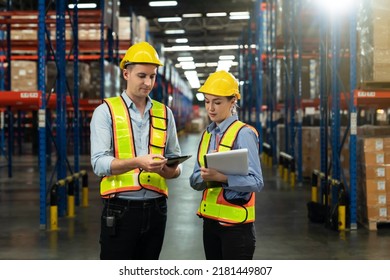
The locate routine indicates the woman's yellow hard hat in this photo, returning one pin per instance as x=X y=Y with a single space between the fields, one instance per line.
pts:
x=141 y=52
x=221 y=83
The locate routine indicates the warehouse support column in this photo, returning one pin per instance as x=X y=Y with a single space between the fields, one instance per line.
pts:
x=353 y=119
x=76 y=101
x=42 y=114
x=61 y=102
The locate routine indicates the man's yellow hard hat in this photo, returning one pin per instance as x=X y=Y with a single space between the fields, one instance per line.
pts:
x=221 y=83
x=141 y=52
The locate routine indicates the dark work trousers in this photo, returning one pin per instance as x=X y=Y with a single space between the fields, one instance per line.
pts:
x=228 y=242
x=137 y=232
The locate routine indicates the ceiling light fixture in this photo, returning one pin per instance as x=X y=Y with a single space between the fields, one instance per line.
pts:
x=200 y=96
x=187 y=65
x=185 y=58
x=169 y=19
x=197 y=15
x=174 y=31
x=239 y=17
x=83 y=6
x=162 y=3
x=239 y=13
x=203 y=48
x=226 y=57
x=181 y=40
x=223 y=14
x=192 y=77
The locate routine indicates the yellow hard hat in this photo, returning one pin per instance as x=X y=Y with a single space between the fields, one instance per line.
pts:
x=221 y=83
x=141 y=52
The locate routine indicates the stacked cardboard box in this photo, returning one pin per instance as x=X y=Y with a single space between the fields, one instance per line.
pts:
x=373 y=188
x=24 y=75
x=374 y=41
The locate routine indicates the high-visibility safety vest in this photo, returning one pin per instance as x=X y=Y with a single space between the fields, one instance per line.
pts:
x=124 y=148
x=214 y=205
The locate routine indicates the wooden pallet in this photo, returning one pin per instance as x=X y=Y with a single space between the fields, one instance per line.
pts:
x=372 y=225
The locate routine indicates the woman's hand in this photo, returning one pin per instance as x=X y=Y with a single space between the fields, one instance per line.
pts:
x=212 y=175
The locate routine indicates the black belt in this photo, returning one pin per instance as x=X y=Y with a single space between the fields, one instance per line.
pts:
x=133 y=202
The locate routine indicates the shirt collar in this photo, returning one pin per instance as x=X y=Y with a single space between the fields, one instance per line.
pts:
x=130 y=103
x=223 y=125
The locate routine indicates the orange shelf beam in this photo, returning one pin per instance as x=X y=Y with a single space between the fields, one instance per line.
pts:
x=31 y=100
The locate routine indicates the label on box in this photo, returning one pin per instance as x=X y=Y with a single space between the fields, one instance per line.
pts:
x=382 y=199
x=379 y=145
x=380 y=172
x=382 y=212
x=380 y=158
x=381 y=185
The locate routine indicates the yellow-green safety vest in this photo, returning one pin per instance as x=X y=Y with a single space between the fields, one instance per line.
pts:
x=214 y=205
x=124 y=148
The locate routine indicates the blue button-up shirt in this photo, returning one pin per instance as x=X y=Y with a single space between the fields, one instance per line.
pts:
x=102 y=145
x=238 y=186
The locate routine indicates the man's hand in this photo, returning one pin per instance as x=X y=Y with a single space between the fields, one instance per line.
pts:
x=152 y=162
x=170 y=171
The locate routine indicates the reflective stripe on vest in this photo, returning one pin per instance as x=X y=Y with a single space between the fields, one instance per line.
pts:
x=124 y=148
x=214 y=205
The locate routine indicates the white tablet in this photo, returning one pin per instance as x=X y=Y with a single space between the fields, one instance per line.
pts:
x=233 y=162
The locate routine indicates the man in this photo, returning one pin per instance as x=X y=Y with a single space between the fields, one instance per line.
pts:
x=131 y=136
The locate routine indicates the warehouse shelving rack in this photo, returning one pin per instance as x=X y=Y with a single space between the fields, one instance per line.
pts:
x=45 y=21
x=334 y=95
x=70 y=110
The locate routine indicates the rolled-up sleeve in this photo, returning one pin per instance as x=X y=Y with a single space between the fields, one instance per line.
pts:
x=253 y=182
x=101 y=141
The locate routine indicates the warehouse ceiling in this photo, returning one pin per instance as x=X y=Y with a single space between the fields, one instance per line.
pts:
x=200 y=31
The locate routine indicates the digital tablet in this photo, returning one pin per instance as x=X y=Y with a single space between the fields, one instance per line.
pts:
x=233 y=162
x=177 y=160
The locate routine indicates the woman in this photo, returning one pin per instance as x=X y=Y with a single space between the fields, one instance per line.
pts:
x=228 y=201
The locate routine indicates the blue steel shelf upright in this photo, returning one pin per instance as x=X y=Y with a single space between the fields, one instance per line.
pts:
x=353 y=119
x=331 y=53
x=270 y=51
x=42 y=114
x=259 y=17
x=61 y=103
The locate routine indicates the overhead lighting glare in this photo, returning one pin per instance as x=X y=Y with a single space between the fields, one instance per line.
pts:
x=83 y=6
x=185 y=58
x=224 y=65
x=192 y=77
x=226 y=57
x=212 y=64
x=336 y=7
x=181 y=40
x=187 y=65
x=205 y=48
x=162 y=3
x=239 y=17
x=216 y=14
x=200 y=48
x=239 y=13
x=200 y=65
x=191 y=15
x=174 y=31
x=200 y=96
x=169 y=19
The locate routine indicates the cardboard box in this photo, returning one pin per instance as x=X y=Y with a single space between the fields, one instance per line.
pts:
x=373 y=144
x=376 y=185
x=371 y=158
x=375 y=171
x=377 y=213
x=376 y=199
